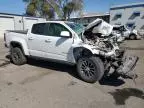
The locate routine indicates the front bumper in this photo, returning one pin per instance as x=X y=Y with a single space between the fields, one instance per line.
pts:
x=127 y=65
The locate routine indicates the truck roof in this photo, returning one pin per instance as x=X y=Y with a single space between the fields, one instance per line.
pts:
x=55 y=22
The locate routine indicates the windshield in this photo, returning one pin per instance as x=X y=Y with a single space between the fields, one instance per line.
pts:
x=78 y=28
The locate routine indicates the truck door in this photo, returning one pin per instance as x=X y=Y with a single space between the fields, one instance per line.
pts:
x=59 y=46
x=36 y=40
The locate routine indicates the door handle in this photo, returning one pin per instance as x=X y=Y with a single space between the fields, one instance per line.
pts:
x=30 y=38
x=48 y=41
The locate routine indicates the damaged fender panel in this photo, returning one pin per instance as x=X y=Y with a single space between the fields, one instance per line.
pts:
x=96 y=51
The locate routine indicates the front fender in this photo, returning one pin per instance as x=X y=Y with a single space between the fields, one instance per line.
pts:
x=95 y=51
x=91 y=48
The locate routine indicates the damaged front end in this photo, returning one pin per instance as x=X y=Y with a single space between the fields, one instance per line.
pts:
x=126 y=67
x=99 y=35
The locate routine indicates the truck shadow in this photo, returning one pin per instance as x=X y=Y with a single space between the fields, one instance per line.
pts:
x=121 y=95
x=54 y=66
x=109 y=81
x=71 y=70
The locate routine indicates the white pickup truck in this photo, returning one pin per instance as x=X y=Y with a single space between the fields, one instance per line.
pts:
x=94 y=50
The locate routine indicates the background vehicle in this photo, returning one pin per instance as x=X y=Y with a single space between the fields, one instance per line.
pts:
x=127 y=33
x=94 y=49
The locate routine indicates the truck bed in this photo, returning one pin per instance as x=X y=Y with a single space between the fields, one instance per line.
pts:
x=19 y=31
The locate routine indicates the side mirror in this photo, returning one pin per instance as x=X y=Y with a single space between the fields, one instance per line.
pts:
x=65 y=34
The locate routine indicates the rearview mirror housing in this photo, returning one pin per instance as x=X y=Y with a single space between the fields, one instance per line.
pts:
x=65 y=34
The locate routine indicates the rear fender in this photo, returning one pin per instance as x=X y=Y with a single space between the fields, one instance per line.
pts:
x=23 y=45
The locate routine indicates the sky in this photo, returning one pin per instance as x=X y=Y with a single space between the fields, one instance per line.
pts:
x=90 y=6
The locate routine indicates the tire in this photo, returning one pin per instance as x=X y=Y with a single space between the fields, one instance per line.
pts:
x=17 y=56
x=132 y=37
x=92 y=73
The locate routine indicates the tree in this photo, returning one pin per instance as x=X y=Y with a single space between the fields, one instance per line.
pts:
x=64 y=8
x=48 y=8
x=39 y=8
x=31 y=8
x=47 y=11
x=72 y=6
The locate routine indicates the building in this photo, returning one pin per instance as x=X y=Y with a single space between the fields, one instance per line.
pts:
x=88 y=18
x=130 y=15
x=16 y=22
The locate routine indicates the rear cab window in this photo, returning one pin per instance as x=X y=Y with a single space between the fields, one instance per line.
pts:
x=38 y=28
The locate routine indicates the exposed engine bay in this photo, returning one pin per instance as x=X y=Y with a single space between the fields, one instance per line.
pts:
x=100 y=35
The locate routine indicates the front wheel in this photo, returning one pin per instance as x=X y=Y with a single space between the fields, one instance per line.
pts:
x=90 y=69
x=133 y=37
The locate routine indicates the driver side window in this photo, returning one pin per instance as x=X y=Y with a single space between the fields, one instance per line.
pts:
x=55 y=29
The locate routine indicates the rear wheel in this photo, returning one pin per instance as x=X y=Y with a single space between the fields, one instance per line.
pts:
x=17 y=56
x=90 y=69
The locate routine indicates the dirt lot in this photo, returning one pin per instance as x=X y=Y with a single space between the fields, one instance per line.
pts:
x=41 y=84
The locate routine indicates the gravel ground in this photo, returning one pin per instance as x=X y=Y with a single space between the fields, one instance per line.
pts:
x=41 y=84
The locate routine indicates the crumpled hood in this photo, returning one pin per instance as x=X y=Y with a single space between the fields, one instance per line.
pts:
x=100 y=26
